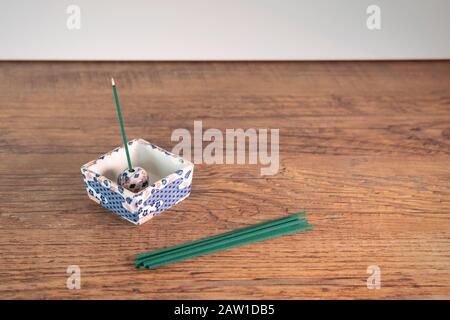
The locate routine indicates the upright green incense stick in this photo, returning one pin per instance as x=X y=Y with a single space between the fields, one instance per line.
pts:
x=124 y=137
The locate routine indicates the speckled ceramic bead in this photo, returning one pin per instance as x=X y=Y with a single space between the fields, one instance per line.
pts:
x=134 y=181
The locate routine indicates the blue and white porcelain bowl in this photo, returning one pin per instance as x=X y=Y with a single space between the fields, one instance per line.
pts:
x=170 y=180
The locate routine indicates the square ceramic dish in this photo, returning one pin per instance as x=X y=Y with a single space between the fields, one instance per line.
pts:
x=170 y=179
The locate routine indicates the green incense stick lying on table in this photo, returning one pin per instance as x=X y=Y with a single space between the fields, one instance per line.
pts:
x=263 y=231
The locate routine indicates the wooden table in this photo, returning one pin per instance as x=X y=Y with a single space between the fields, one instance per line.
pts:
x=364 y=148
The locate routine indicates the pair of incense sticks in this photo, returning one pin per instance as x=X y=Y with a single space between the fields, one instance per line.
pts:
x=263 y=231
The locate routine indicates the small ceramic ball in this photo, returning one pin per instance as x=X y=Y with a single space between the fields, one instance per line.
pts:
x=135 y=180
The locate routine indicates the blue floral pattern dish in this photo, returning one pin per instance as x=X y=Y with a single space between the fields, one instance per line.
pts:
x=169 y=185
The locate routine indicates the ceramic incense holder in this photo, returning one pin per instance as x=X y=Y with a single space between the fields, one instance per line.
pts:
x=170 y=179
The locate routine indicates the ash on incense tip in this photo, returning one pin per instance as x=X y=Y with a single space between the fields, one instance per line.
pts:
x=134 y=180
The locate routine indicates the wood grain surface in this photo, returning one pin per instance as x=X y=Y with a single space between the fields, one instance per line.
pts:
x=364 y=148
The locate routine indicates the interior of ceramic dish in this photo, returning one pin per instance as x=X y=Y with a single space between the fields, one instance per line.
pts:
x=155 y=161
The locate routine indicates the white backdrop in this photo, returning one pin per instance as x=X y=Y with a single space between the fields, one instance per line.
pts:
x=223 y=30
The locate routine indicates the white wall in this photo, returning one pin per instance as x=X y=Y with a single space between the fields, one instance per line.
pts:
x=224 y=30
